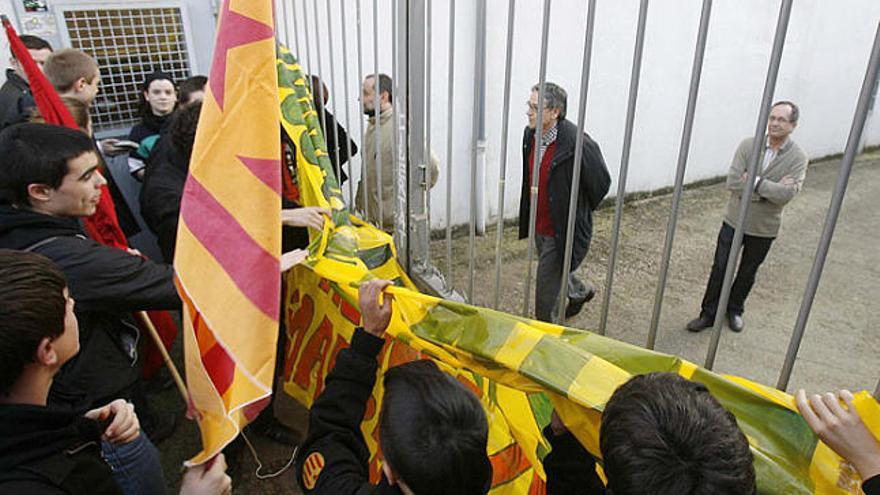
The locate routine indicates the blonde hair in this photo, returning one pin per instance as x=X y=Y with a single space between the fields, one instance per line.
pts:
x=65 y=67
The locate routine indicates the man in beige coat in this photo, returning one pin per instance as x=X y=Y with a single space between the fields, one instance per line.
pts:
x=780 y=177
x=385 y=155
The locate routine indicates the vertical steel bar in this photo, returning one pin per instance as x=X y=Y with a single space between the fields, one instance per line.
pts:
x=299 y=54
x=400 y=231
x=502 y=171
x=320 y=99
x=478 y=122
x=376 y=114
x=281 y=12
x=427 y=169
x=683 y=149
x=347 y=105
x=756 y=159
x=538 y=154
x=450 y=91
x=849 y=156
x=308 y=47
x=624 y=161
x=335 y=130
x=364 y=172
x=578 y=153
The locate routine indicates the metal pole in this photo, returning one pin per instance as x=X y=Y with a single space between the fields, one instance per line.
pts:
x=450 y=87
x=281 y=12
x=624 y=161
x=756 y=158
x=364 y=172
x=347 y=106
x=849 y=156
x=377 y=125
x=299 y=55
x=335 y=129
x=428 y=161
x=502 y=172
x=578 y=153
x=415 y=47
x=479 y=97
x=308 y=47
x=320 y=91
x=535 y=170
x=683 y=149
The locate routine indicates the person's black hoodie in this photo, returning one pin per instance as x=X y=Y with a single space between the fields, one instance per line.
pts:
x=51 y=452
x=107 y=284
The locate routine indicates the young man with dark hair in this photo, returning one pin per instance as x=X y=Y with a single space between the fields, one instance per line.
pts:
x=49 y=179
x=16 y=102
x=432 y=429
x=660 y=433
x=47 y=450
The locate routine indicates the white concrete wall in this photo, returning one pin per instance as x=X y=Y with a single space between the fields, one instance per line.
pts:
x=822 y=68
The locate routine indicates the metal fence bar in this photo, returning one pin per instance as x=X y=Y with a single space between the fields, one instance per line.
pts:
x=478 y=125
x=320 y=91
x=624 y=160
x=450 y=91
x=426 y=168
x=308 y=46
x=502 y=171
x=756 y=159
x=849 y=156
x=365 y=193
x=683 y=149
x=299 y=54
x=335 y=130
x=281 y=12
x=377 y=125
x=578 y=153
x=536 y=167
x=347 y=107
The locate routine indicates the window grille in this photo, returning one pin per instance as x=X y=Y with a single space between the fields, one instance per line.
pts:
x=128 y=44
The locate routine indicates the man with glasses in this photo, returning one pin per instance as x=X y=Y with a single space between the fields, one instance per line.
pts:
x=781 y=174
x=555 y=169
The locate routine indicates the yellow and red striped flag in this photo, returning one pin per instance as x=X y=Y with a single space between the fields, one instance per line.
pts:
x=229 y=235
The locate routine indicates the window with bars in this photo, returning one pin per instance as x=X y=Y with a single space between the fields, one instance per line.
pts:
x=128 y=44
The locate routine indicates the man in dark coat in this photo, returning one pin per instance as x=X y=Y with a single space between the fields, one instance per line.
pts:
x=556 y=172
x=16 y=102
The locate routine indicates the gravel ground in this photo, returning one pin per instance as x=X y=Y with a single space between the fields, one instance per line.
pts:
x=839 y=349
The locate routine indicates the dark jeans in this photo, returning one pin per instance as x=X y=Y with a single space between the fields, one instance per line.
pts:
x=754 y=251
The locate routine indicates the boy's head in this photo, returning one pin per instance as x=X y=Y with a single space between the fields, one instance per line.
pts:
x=433 y=433
x=661 y=433
x=38 y=329
x=192 y=90
x=49 y=169
x=73 y=73
x=39 y=48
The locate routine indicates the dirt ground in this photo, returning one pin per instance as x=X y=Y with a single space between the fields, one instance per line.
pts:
x=839 y=349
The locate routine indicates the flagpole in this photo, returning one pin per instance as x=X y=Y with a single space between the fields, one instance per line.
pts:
x=175 y=374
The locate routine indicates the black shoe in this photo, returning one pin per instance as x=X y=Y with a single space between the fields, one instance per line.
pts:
x=736 y=322
x=274 y=430
x=701 y=323
x=575 y=305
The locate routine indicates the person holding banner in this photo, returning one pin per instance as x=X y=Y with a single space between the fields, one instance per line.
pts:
x=49 y=179
x=433 y=431
x=49 y=450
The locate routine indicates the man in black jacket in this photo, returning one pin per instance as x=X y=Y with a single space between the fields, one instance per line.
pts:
x=16 y=102
x=432 y=430
x=48 y=180
x=42 y=449
x=556 y=172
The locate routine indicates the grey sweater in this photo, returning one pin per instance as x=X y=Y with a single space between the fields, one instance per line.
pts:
x=770 y=196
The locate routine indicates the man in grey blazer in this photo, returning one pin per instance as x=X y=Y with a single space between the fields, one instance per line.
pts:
x=780 y=177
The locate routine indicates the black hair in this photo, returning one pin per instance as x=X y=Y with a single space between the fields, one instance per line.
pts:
x=662 y=433
x=157 y=75
x=795 y=111
x=32 y=307
x=189 y=86
x=32 y=42
x=183 y=128
x=33 y=153
x=433 y=432
x=385 y=85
